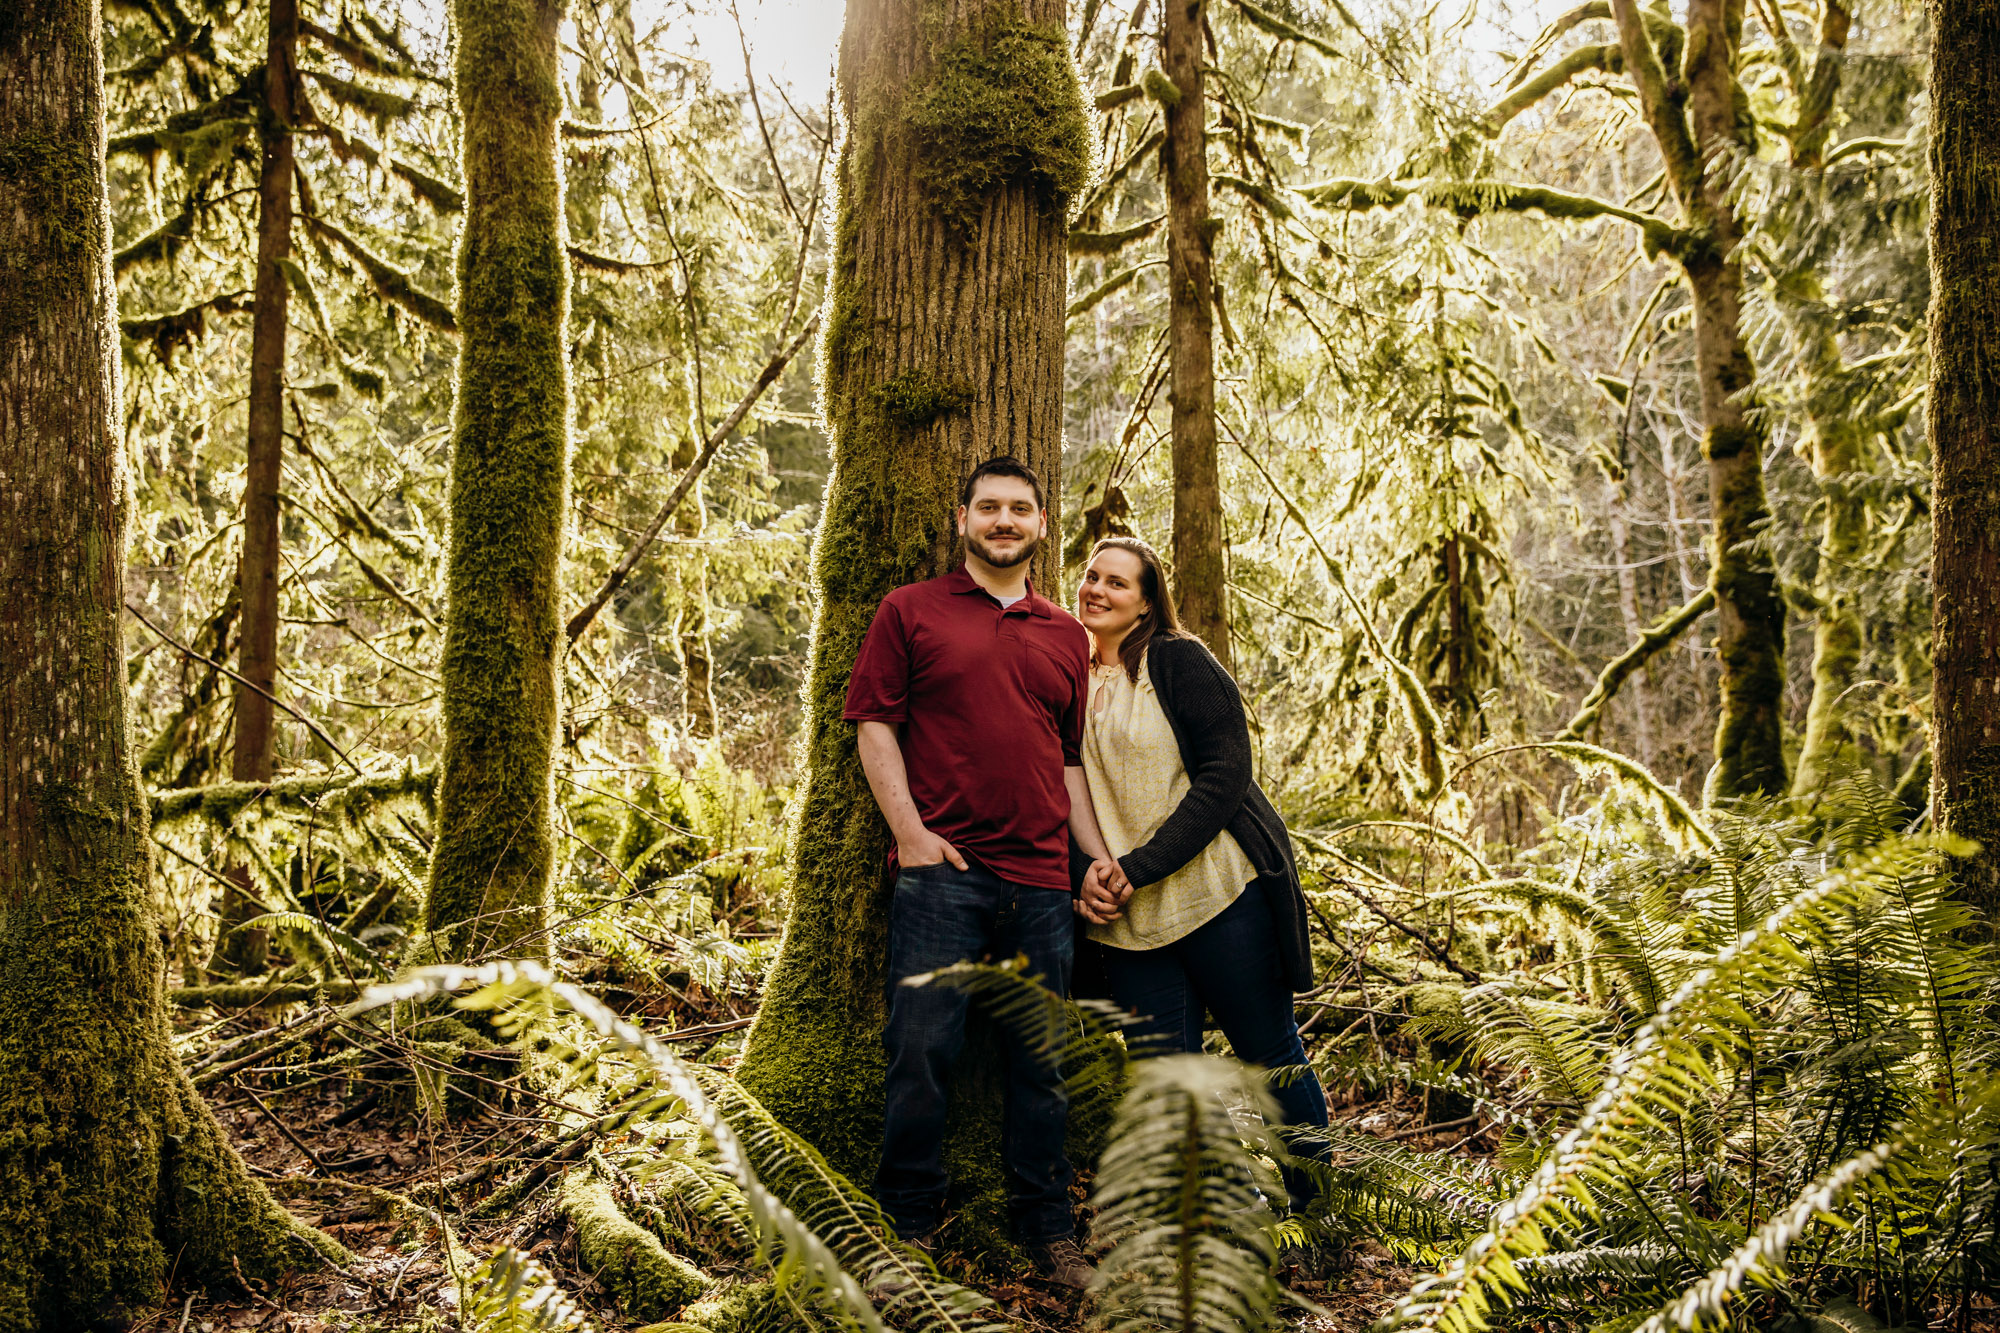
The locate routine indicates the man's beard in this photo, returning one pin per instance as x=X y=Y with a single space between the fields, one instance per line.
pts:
x=1024 y=552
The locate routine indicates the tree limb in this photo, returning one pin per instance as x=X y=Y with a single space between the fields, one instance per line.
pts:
x=1662 y=633
x=389 y=282
x=580 y=622
x=1606 y=56
x=1471 y=198
x=1661 y=105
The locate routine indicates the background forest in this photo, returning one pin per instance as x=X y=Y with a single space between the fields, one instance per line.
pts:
x=1533 y=405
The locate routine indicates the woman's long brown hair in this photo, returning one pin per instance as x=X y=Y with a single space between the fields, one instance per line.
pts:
x=1162 y=622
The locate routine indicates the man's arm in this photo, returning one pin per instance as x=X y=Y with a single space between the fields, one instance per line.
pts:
x=882 y=761
x=1105 y=887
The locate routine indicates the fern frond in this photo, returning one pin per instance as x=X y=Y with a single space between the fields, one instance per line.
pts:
x=1177 y=1199
x=1673 y=1061
x=331 y=938
x=511 y=1293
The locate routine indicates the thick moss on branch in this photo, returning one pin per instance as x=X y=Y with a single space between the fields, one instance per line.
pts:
x=648 y=1282
x=341 y=794
x=1002 y=107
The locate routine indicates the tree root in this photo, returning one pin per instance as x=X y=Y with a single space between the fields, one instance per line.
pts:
x=647 y=1280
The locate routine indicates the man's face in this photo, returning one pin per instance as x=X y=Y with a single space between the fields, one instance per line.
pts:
x=1003 y=524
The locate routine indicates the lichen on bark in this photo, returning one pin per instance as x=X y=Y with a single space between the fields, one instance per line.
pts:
x=491 y=874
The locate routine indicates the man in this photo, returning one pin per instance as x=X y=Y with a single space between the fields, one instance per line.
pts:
x=970 y=692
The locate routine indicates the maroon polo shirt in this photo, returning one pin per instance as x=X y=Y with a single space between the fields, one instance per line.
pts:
x=990 y=702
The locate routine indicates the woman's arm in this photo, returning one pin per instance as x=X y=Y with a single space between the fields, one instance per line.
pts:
x=1202 y=703
x=1104 y=887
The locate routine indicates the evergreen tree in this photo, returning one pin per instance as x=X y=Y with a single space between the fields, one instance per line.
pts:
x=112 y=1170
x=943 y=347
x=492 y=869
x=1965 y=433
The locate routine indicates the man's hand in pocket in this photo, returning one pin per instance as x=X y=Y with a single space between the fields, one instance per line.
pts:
x=926 y=848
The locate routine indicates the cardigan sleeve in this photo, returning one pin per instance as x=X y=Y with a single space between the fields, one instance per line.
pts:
x=1206 y=712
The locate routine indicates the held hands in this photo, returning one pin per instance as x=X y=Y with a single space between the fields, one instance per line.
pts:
x=1105 y=891
x=925 y=848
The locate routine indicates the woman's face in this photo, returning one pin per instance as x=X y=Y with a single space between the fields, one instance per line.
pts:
x=1109 y=603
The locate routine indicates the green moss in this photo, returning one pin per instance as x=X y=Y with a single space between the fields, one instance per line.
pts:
x=1161 y=88
x=914 y=399
x=1002 y=106
x=648 y=1282
x=56 y=182
x=491 y=873
x=756 y=1307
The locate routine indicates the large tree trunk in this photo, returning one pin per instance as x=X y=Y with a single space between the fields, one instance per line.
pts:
x=943 y=348
x=1965 y=433
x=257 y=571
x=1699 y=146
x=1199 y=569
x=112 y=1170
x=491 y=873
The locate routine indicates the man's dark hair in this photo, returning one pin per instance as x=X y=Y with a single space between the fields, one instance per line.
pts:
x=1006 y=465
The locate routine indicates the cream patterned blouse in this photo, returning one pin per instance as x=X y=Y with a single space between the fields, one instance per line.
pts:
x=1136 y=779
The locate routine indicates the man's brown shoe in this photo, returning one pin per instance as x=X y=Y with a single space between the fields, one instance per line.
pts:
x=1063 y=1263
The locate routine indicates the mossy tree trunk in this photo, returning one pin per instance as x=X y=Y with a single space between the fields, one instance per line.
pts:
x=1200 y=571
x=112 y=1171
x=1965 y=433
x=491 y=873
x=1839 y=457
x=943 y=347
x=1695 y=119
x=257 y=570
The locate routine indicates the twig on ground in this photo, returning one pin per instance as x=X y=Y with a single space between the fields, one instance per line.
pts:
x=285 y=1129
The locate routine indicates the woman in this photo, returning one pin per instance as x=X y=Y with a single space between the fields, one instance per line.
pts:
x=1210 y=916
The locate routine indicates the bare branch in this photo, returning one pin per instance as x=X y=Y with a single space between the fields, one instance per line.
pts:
x=580 y=622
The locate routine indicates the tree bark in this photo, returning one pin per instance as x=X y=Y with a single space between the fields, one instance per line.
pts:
x=943 y=348
x=257 y=570
x=1964 y=420
x=112 y=1171
x=491 y=873
x=1200 y=575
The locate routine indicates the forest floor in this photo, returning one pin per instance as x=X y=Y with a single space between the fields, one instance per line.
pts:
x=354 y=1177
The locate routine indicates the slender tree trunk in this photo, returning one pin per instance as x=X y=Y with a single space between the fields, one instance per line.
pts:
x=257 y=571
x=112 y=1170
x=1838 y=456
x=943 y=348
x=1699 y=144
x=691 y=634
x=1964 y=423
x=1200 y=574
x=1628 y=613
x=491 y=873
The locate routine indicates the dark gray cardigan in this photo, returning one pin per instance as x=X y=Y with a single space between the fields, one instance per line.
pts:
x=1205 y=710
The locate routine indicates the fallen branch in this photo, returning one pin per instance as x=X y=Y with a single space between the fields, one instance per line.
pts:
x=251 y=995
x=580 y=622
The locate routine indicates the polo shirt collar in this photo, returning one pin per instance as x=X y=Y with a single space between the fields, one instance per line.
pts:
x=960 y=580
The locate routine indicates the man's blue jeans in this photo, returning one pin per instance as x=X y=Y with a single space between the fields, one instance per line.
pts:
x=943 y=915
x=1229 y=967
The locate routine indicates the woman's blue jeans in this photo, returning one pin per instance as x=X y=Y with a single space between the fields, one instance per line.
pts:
x=943 y=915
x=1229 y=967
